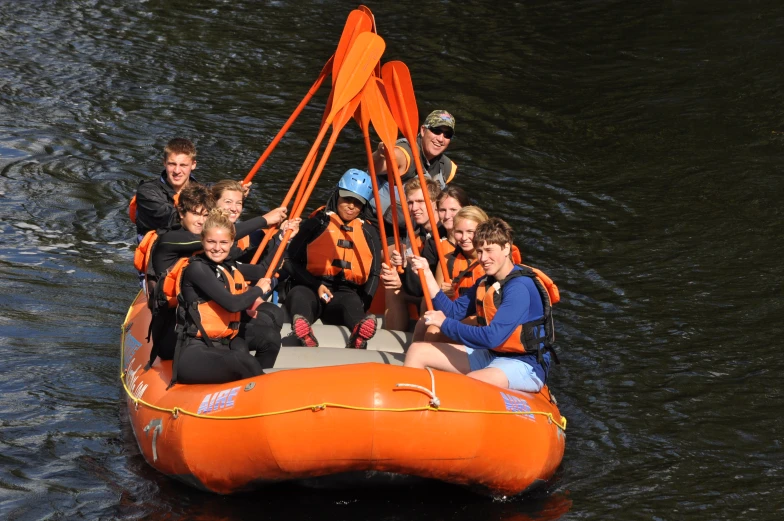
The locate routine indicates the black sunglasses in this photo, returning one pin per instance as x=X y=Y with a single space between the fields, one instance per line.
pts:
x=448 y=133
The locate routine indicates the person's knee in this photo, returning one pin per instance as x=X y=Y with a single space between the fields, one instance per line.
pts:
x=273 y=313
x=416 y=356
x=396 y=312
x=263 y=338
x=246 y=366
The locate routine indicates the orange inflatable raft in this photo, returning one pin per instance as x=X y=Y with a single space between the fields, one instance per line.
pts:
x=325 y=411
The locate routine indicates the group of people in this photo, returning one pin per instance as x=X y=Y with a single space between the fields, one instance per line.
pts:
x=491 y=316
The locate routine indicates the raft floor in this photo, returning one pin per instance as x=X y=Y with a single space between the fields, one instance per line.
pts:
x=386 y=347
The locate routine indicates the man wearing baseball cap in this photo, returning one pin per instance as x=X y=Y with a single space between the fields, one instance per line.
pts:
x=434 y=138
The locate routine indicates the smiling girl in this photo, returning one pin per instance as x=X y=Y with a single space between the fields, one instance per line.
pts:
x=230 y=196
x=213 y=293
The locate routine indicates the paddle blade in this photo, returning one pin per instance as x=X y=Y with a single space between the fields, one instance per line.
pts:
x=345 y=115
x=328 y=106
x=367 y=11
x=355 y=71
x=400 y=93
x=361 y=116
x=358 y=22
x=374 y=102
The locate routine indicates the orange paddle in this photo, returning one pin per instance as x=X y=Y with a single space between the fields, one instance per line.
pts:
x=400 y=94
x=285 y=128
x=364 y=121
x=367 y=11
x=385 y=127
x=354 y=73
x=357 y=23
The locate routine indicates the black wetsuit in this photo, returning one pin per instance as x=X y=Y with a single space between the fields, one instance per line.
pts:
x=349 y=301
x=197 y=362
x=168 y=249
x=155 y=205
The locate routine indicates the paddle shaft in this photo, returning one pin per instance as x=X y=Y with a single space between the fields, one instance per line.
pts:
x=364 y=123
x=411 y=137
x=385 y=127
x=286 y=126
x=411 y=235
x=391 y=170
x=311 y=185
x=297 y=180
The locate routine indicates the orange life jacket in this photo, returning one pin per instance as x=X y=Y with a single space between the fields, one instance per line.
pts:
x=132 y=209
x=464 y=275
x=132 y=206
x=517 y=257
x=161 y=288
x=527 y=337
x=166 y=288
x=216 y=321
x=341 y=251
x=446 y=246
x=143 y=252
x=243 y=243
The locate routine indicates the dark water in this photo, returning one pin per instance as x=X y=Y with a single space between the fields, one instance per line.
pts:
x=636 y=147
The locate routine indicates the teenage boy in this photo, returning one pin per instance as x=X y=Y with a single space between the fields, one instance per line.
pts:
x=511 y=346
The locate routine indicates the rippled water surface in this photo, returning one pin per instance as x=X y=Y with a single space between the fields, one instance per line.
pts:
x=636 y=147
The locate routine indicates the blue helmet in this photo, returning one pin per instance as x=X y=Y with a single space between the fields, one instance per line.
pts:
x=356 y=183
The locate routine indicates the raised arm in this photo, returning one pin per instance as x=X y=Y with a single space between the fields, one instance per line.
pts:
x=380 y=160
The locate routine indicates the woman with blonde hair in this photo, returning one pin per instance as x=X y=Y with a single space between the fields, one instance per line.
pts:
x=216 y=335
x=230 y=195
x=462 y=264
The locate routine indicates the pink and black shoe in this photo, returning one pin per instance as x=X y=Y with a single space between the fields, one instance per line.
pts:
x=362 y=332
x=304 y=332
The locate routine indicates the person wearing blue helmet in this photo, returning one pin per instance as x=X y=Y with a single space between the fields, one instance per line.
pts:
x=334 y=264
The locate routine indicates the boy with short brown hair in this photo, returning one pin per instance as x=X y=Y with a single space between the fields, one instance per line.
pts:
x=510 y=348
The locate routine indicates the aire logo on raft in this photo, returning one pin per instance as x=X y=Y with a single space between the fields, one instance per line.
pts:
x=131 y=346
x=218 y=401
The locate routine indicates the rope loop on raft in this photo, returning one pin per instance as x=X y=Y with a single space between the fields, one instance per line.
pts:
x=435 y=402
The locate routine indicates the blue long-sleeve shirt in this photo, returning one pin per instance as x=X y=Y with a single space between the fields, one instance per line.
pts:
x=520 y=303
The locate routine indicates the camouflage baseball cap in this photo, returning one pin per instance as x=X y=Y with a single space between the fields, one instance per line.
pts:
x=440 y=118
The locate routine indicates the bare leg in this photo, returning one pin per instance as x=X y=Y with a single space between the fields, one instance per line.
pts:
x=419 y=331
x=438 y=355
x=491 y=375
x=396 y=313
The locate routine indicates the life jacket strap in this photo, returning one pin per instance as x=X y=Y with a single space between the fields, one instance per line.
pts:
x=463 y=274
x=193 y=316
x=346 y=244
x=346 y=265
